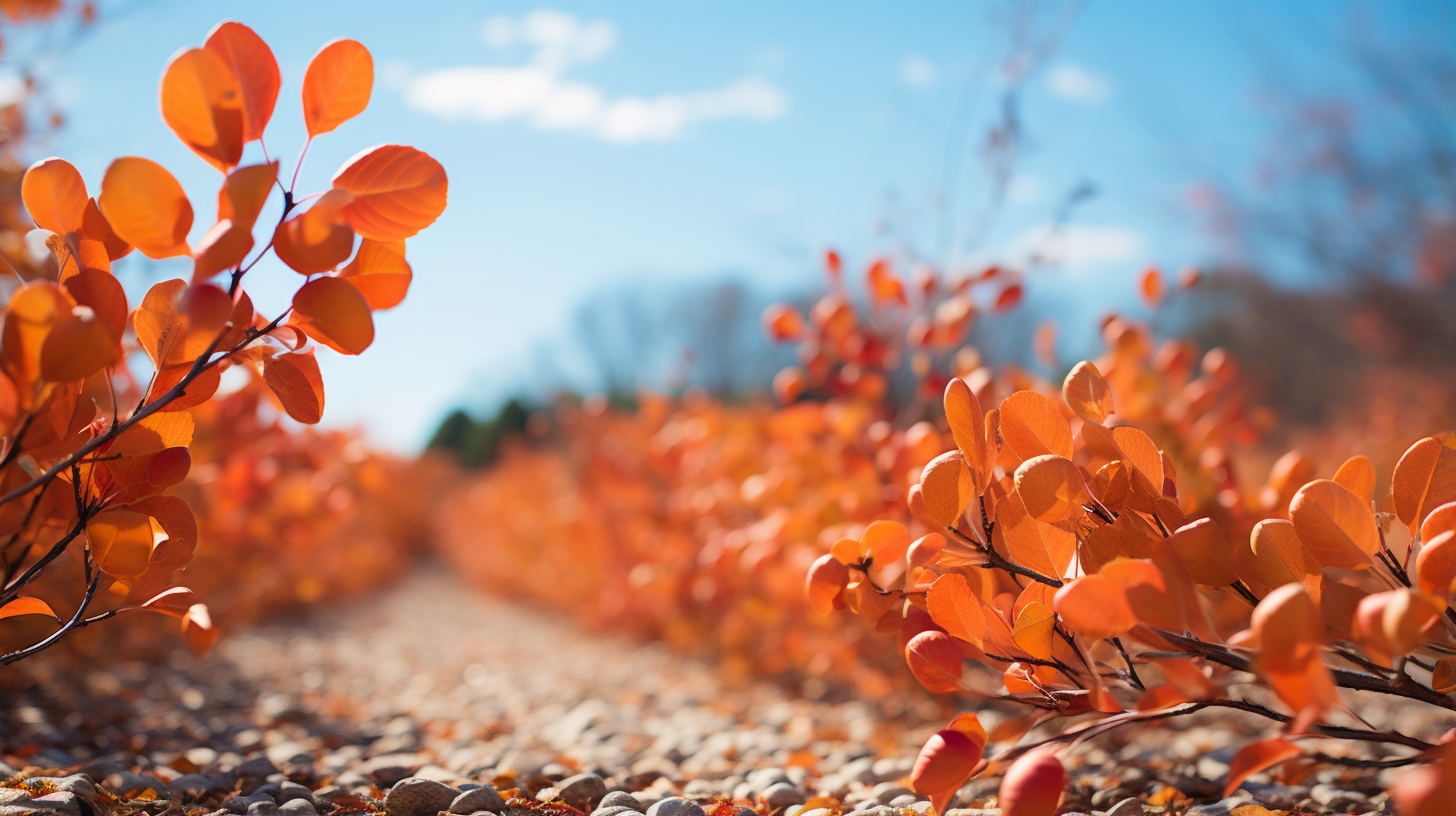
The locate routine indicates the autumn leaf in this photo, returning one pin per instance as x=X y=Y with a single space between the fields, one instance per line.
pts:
x=397 y=191
x=27 y=606
x=55 y=195
x=1256 y=757
x=1087 y=393
x=333 y=312
x=146 y=207
x=251 y=62
x=203 y=104
x=294 y=377
x=337 y=85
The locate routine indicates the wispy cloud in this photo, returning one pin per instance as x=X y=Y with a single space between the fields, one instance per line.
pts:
x=1078 y=84
x=917 y=72
x=1078 y=245
x=539 y=94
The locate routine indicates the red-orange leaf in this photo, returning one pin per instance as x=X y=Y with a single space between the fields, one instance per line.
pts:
x=1357 y=475
x=1095 y=607
x=55 y=195
x=315 y=241
x=1256 y=757
x=944 y=764
x=380 y=272
x=1051 y=488
x=1338 y=529
x=198 y=631
x=398 y=191
x=956 y=608
x=1032 y=785
x=27 y=606
x=203 y=104
x=331 y=311
x=252 y=63
x=294 y=376
x=146 y=207
x=1086 y=392
x=1425 y=477
x=337 y=85
x=1032 y=426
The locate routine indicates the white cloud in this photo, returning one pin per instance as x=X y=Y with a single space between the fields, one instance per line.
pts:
x=917 y=72
x=1076 y=245
x=539 y=94
x=1078 y=84
x=1025 y=189
x=12 y=88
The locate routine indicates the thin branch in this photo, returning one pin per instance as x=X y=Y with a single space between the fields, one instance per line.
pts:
x=55 y=636
x=994 y=559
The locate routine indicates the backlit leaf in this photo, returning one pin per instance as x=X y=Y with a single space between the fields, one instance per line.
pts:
x=1357 y=475
x=294 y=377
x=1086 y=392
x=935 y=658
x=1336 y=527
x=1032 y=426
x=203 y=104
x=947 y=486
x=198 y=631
x=1051 y=489
x=1425 y=477
x=1032 y=785
x=1256 y=757
x=331 y=311
x=337 y=85
x=956 y=608
x=827 y=578
x=397 y=190
x=944 y=764
x=55 y=195
x=252 y=63
x=967 y=427
x=316 y=241
x=146 y=207
x=27 y=606
x=380 y=272
x=1095 y=607
x=244 y=193
x=1436 y=565
x=121 y=542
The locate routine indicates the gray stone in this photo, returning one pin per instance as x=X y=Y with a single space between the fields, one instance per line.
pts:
x=196 y=785
x=676 y=806
x=582 y=791
x=267 y=808
x=481 y=798
x=903 y=801
x=887 y=792
x=259 y=767
x=329 y=793
x=620 y=799
x=1337 y=798
x=244 y=804
x=298 y=807
x=61 y=802
x=1223 y=807
x=780 y=795
x=1131 y=806
x=292 y=791
x=702 y=788
x=764 y=777
x=418 y=797
x=1106 y=797
x=127 y=782
x=614 y=810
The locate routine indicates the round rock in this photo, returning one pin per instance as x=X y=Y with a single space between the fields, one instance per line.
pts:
x=582 y=791
x=620 y=799
x=675 y=806
x=780 y=795
x=418 y=797
x=478 y=799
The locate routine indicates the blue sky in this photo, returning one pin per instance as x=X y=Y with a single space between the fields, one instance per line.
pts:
x=610 y=143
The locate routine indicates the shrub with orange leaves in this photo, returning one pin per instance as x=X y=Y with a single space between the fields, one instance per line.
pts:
x=1084 y=574
x=93 y=445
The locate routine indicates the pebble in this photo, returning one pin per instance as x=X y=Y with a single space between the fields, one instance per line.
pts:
x=1131 y=806
x=482 y=798
x=418 y=797
x=780 y=795
x=1223 y=807
x=298 y=807
x=582 y=791
x=1336 y=798
x=676 y=806
x=614 y=810
x=887 y=792
x=620 y=799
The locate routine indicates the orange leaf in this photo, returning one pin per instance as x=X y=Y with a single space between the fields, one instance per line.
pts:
x=381 y=274
x=95 y=227
x=146 y=207
x=1357 y=475
x=252 y=63
x=1151 y=286
x=121 y=542
x=1438 y=521
x=244 y=193
x=398 y=191
x=1009 y=298
x=30 y=317
x=1337 y=528
x=294 y=376
x=944 y=764
x=1425 y=477
x=1032 y=426
x=1086 y=392
x=1289 y=627
x=174 y=602
x=1094 y=607
x=1443 y=678
x=1032 y=785
x=1256 y=757
x=55 y=195
x=935 y=657
x=103 y=294
x=337 y=85
x=1279 y=557
x=968 y=428
x=1033 y=632
x=225 y=246
x=79 y=345
x=826 y=581
x=203 y=104
x=947 y=486
x=331 y=311
x=198 y=631
x=27 y=606
x=315 y=241
x=956 y=608
x=1206 y=552
x=1051 y=489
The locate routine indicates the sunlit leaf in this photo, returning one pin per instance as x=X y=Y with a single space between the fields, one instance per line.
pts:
x=1425 y=477
x=294 y=377
x=1357 y=475
x=203 y=104
x=146 y=207
x=1256 y=757
x=1094 y=607
x=1032 y=785
x=331 y=311
x=1051 y=489
x=337 y=85
x=397 y=191
x=27 y=606
x=1086 y=392
x=956 y=608
x=55 y=195
x=944 y=764
x=1337 y=528
x=252 y=63
x=1032 y=426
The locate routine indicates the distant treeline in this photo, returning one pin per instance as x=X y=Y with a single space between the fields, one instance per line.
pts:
x=476 y=442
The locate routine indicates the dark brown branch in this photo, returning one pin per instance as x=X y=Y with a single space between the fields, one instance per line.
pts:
x=994 y=559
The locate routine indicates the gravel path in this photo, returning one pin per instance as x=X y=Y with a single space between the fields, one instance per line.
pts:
x=440 y=691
